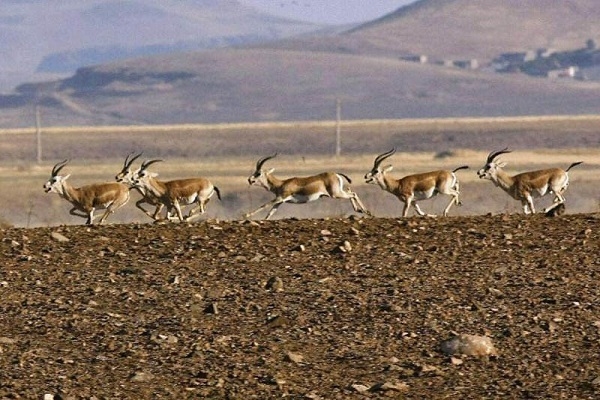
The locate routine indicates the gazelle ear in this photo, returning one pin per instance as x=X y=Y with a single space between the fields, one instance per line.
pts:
x=501 y=164
x=152 y=174
x=271 y=170
x=388 y=168
x=66 y=177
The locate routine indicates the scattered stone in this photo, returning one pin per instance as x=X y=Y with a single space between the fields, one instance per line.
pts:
x=427 y=369
x=389 y=386
x=469 y=345
x=300 y=248
x=360 y=388
x=59 y=237
x=275 y=284
x=294 y=357
x=141 y=377
x=277 y=322
x=456 y=361
x=211 y=309
x=347 y=246
x=7 y=340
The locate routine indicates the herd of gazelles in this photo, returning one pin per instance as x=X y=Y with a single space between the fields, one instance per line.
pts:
x=410 y=189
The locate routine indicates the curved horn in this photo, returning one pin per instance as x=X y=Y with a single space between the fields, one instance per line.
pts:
x=495 y=154
x=260 y=162
x=56 y=169
x=148 y=163
x=129 y=160
x=382 y=157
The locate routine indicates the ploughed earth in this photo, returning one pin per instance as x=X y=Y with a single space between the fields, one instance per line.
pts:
x=305 y=309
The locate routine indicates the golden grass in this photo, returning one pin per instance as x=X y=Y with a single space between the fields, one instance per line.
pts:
x=25 y=204
x=407 y=123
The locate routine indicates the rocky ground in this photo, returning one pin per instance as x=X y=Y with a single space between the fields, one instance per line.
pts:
x=303 y=309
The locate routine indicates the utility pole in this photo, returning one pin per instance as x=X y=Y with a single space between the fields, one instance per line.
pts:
x=38 y=134
x=338 y=127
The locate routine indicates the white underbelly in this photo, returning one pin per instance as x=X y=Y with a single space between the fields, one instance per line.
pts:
x=422 y=195
x=298 y=198
x=540 y=192
x=188 y=199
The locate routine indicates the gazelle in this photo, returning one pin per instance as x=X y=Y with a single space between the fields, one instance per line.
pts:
x=413 y=188
x=127 y=175
x=86 y=199
x=301 y=190
x=177 y=192
x=527 y=185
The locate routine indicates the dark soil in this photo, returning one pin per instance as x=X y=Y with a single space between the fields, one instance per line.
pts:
x=287 y=308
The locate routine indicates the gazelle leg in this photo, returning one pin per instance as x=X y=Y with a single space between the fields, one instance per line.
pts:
x=529 y=202
x=558 y=200
x=454 y=193
x=453 y=200
x=178 y=209
x=157 y=210
x=139 y=203
x=418 y=209
x=272 y=211
x=407 y=204
x=357 y=204
x=78 y=213
x=108 y=211
x=271 y=203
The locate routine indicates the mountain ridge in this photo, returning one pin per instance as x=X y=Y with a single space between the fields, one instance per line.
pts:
x=302 y=78
x=101 y=31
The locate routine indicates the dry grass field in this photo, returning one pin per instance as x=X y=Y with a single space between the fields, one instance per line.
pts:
x=226 y=154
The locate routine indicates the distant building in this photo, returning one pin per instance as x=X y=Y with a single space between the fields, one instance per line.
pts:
x=569 y=72
x=467 y=64
x=544 y=53
x=420 y=58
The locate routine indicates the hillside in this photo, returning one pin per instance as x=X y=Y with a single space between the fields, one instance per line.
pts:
x=45 y=41
x=467 y=29
x=301 y=79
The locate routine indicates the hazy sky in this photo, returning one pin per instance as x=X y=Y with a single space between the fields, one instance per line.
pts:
x=329 y=11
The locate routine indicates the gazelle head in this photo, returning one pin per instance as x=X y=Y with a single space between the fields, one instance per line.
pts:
x=376 y=175
x=491 y=167
x=126 y=175
x=259 y=177
x=142 y=174
x=55 y=183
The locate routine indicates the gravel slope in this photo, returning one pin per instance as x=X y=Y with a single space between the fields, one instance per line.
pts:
x=308 y=309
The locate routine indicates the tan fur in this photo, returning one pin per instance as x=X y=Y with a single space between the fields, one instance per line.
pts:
x=301 y=189
x=527 y=185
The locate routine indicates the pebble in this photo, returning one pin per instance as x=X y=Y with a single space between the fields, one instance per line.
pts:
x=59 y=237
x=470 y=345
